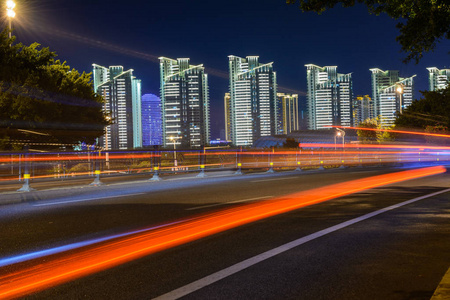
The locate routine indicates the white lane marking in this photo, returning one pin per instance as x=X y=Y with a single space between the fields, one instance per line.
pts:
x=195 y=177
x=90 y=199
x=225 y=203
x=273 y=179
x=205 y=281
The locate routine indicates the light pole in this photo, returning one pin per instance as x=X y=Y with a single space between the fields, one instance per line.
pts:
x=10 y=13
x=340 y=133
x=336 y=135
x=173 y=139
x=400 y=94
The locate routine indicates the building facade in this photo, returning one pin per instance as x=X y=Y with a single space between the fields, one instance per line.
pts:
x=438 y=79
x=151 y=120
x=362 y=109
x=252 y=109
x=287 y=110
x=184 y=103
x=227 y=107
x=122 y=94
x=391 y=94
x=329 y=97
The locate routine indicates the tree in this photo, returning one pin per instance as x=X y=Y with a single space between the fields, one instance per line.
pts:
x=43 y=100
x=290 y=143
x=373 y=136
x=423 y=23
x=431 y=114
x=432 y=110
x=367 y=136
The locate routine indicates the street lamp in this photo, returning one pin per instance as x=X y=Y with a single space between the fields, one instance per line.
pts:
x=339 y=133
x=400 y=93
x=10 y=13
x=174 y=139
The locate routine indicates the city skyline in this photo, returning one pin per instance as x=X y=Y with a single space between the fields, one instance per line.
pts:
x=81 y=32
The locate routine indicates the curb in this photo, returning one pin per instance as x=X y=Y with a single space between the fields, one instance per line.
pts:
x=442 y=292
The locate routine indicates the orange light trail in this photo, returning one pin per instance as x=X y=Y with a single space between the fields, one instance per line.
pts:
x=54 y=270
x=94 y=156
x=366 y=146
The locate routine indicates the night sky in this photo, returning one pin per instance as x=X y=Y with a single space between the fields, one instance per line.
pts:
x=135 y=33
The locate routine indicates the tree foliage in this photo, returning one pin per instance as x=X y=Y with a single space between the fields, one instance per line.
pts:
x=290 y=143
x=432 y=110
x=373 y=136
x=43 y=100
x=423 y=23
x=431 y=114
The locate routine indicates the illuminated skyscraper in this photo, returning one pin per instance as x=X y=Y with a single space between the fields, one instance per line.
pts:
x=151 y=120
x=122 y=94
x=391 y=94
x=329 y=98
x=287 y=106
x=184 y=102
x=362 y=109
x=438 y=79
x=253 y=91
x=227 y=106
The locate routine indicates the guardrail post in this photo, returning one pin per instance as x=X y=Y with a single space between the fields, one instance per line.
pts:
x=202 y=160
x=155 y=174
x=239 y=162
x=20 y=167
x=321 y=168
x=155 y=164
x=271 y=163
x=97 y=171
x=26 y=176
x=298 y=169
x=342 y=157
x=360 y=165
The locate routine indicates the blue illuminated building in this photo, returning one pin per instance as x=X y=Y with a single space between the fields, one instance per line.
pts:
x=151 y=120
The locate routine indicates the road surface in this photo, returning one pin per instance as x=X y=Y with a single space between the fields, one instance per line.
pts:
x=309 y=253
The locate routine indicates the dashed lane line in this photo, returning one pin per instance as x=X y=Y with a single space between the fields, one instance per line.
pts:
x=225 y=203
x=84 y=200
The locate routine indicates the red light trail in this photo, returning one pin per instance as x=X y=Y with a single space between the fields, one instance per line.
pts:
x=395 y=131
x=50 y=271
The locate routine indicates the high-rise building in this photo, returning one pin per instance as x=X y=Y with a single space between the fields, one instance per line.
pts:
x=151 y=120
x=184 y=102
x=391 y=94
x=253 y=91
x=227 y=106
x=438 y=79
x=362 y=109
x=122 y=94
x=329 y=97
x=287 y=108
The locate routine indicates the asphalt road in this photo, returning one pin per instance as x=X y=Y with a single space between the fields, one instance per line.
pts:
x=399 y=254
